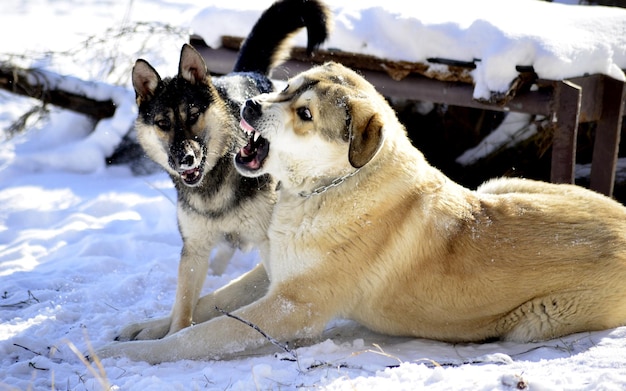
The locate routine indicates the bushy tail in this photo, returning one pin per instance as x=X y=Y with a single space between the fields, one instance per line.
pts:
x=268 y=43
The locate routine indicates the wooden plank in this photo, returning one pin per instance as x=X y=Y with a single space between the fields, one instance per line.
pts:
x=457 y=94
x=413 y=86
x=607 y=138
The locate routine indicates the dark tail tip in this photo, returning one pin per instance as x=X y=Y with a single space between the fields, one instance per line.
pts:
x=317 y=19
x=266 y=45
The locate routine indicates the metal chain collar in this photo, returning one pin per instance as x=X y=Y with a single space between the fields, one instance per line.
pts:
x=336 y=182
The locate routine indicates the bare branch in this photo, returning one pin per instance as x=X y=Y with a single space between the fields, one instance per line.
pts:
x=274 y=341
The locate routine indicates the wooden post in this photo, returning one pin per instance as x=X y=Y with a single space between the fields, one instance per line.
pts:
x=607 y=138
x=567 y=99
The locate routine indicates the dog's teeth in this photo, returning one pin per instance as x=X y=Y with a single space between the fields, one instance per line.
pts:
x=256 y=136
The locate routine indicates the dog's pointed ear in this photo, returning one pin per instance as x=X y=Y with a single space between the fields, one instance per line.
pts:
x=192 y=66
x=145 y=80
x=366 y=138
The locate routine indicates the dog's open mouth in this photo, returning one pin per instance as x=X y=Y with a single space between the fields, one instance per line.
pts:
x=191 y=177
x=251 y=156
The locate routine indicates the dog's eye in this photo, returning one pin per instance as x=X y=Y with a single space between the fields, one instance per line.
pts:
x=304 y=113
x=163 y=123
x=285 y=89
x=193 y=116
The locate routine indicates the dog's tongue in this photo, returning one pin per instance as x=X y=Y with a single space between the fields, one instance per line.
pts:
x=248 y=149
x=251 y=154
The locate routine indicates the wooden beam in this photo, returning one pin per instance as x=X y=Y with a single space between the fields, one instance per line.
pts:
x=414 y=86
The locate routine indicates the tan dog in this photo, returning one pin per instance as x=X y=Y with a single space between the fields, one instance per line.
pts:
x=364 y=228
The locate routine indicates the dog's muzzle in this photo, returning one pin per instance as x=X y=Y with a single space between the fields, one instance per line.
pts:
x=188 y=160
x=251 y=156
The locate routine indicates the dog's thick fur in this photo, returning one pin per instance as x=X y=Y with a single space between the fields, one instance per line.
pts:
x=365 y=228
x=189 y=125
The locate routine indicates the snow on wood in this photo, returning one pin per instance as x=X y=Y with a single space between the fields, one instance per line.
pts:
x=558 y=41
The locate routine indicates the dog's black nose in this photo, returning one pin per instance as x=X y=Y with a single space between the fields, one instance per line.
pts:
x=188 y=160
x=251 y=110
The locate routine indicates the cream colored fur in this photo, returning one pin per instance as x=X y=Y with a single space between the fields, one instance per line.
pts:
x=401 y=248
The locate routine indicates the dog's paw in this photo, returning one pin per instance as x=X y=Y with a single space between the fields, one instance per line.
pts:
x=152 y=329
x=114 y=350
x=152 y=352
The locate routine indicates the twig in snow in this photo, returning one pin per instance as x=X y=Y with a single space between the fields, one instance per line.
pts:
x=284 y=347
x=34 y=366
x=272 y=340
x=28 y=349
x=21 y=304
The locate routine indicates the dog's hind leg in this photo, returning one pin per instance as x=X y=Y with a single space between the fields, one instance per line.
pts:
x=559 y=314
x=221 y=257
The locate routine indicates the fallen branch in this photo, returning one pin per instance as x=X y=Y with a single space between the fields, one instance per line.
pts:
x=274 y=341
x=284 y=347
x=48 y=87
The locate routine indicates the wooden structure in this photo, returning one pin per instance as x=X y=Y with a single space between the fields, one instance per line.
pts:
x=567 y=103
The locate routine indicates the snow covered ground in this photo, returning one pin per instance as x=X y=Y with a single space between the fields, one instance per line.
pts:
x=86 y=248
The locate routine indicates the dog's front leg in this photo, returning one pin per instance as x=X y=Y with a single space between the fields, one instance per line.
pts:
x=192 y=271
x=224 y=337
x=241 y=291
